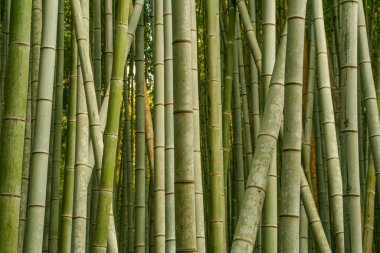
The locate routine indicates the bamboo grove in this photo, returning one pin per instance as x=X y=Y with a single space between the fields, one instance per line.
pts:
x=189 y=126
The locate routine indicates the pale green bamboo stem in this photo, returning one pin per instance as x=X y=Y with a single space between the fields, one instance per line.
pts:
x=169 y=132
x=184 y=186
x=349 y=131
x=251 y=36
x=216 y=218
x=369 y=96
x=97 y=49
x=335 y=189
x=159 y=129
x=369 y=216
x=40 y=150
x=139 y=243
x=13 y=121
x=108 y=41
x=291 y=146
x=34 y=72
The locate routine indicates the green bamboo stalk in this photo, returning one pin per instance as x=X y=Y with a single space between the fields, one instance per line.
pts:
x=291 y=145
x=184 y=187
x=40 y=150
x=312 y=215
x=108 y=42
x=159 y=129
x=217 y=218
x=322 y=186
x=56 y=163
x=34 y=72
x=243 y=88
x=254 y=81
x=349 y=131
x=199 y=204
x=13 y=121
x=68 y=187
x=335 y=189
x=99 y=243
x=36 y=46
x=227 y=97
x=238 y=168
x=251 y=36
x=269 y=216
x=247 y=226
x=81 y=171
x=97 y=49
x=81 y=28
x=169 y=132
x=4 y=51
x=139 y=243
x=369 y=96
x=369 y=216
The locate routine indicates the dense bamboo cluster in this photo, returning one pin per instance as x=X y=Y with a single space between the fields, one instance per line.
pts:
x=189 y=126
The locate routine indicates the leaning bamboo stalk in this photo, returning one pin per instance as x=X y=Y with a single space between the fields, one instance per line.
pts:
x=369 y=96
x=328 y=125
x=99 y=243
x=369 y=216
x=247 y=226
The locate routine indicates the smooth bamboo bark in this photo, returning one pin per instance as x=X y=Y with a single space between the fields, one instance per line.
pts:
x=217 y=214
x=349 y=131
x=184 y=186
x=140 y=191
x=369 y=216
x=251 y=36
x=169 y=131
x=108 y=41
x=97 y=49
x=159 y=129
x=199 y=201
x=369 y=95
x=292 y=140
x=58 y=103
x=13 y=122
x=40 y=150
